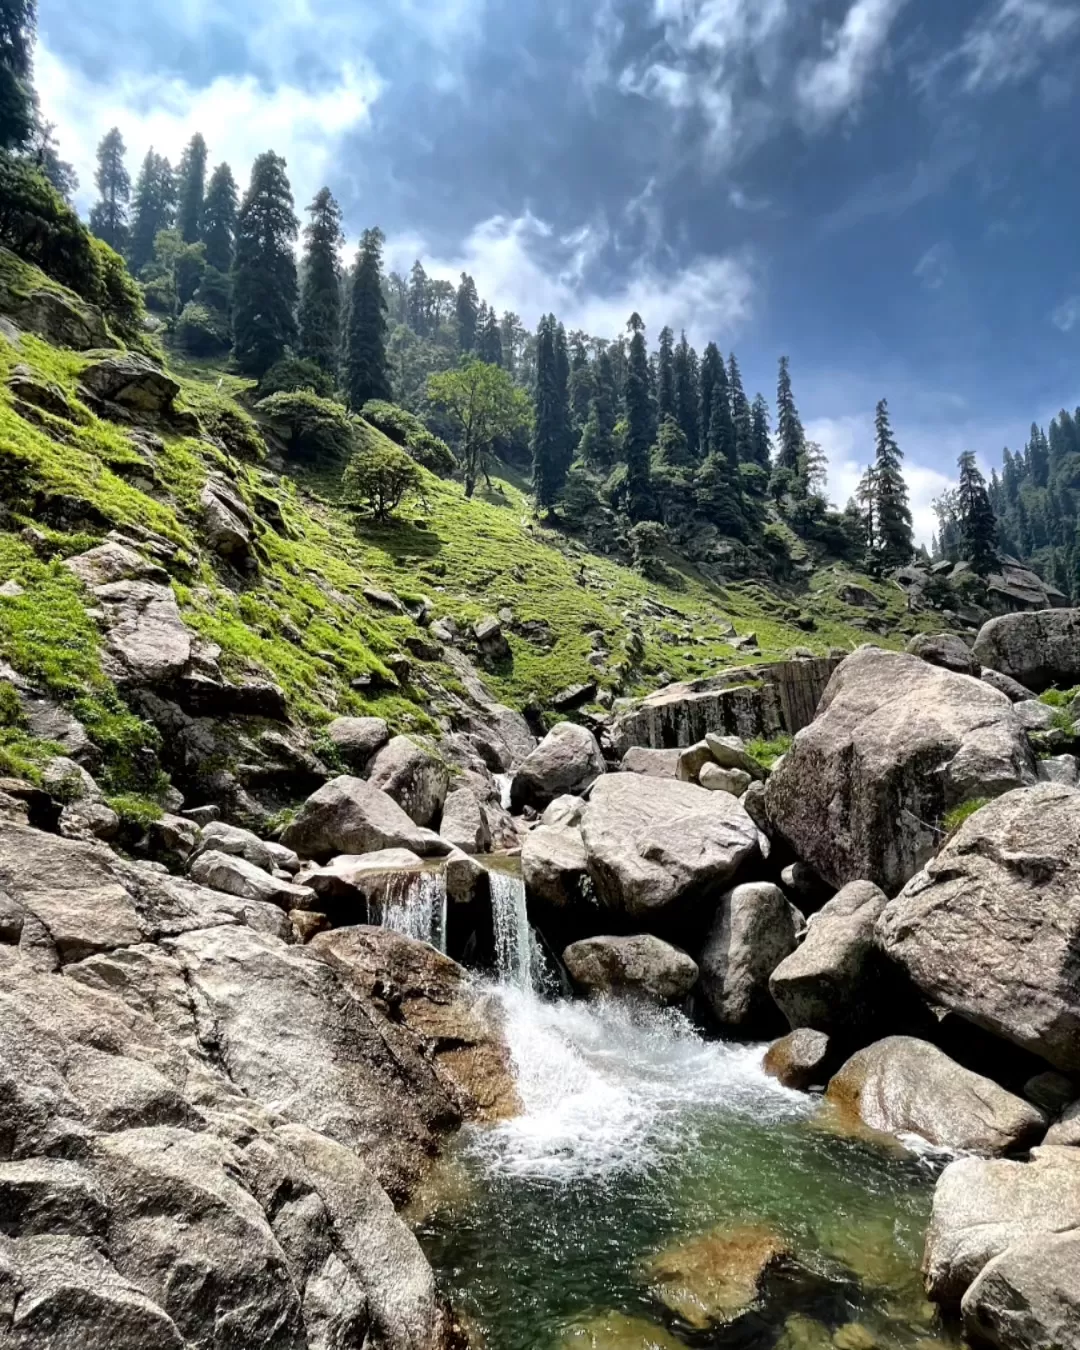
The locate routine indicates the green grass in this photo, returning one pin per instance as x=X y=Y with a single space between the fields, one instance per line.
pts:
x=955 y=818
x=135 y=809
x=768 y=752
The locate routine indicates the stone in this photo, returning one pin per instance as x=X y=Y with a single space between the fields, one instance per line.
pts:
x=349 y=815
x=567 y=760
x=146 y=631
x=1051 y=1092
x=413 y=777
x=351 y=886
x=87 y=819
x=991 y=927
x=1039 y=649
x=754 y=929
x=356 y=739
x=642 y=966
x=554 y=865
x=833 y=980
x=655 y=847
x=383 y=600
x=859 y=596
x=574 y=696
x=617 y=1331
x=651 y=763
x=236 y=876
x=902 y=1085
x=799 y=1060
x=112 y=561
x=1066 y=1129
x=895 y=745
x=710 y=1281
x=1034 y=716
x=133 y=382
x=944 y=649
x=1060 y=769
x=692 y=760
x=730 y=753
x=982 y=1207
x=1013 y=690
x=464 y=822
x=67 y=781
x=218 y=837
x=732 y=781
x=1028 y=1298
x=228 y=523
x=490 y=639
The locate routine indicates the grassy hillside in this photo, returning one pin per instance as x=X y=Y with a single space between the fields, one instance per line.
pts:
x=302 y=619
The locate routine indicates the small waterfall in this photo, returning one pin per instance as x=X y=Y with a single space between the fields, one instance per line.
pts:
x=504 y=782
x=414 y=904
x=514 y=941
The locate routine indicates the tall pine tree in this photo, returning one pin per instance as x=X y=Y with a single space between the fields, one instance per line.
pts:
x=598 y=438
x=264 y=269
x=895 y=541
x=978 y=528
x=740 y=413
x=712 y=369
x=419 y=307
x=109 y=215
x=220 y=208
x=665 y=376
x=687 y=376
x=489 y=340
x=791 y=439
x=760 y=453
x=468 y=310
x=366 y=368
x=18 y=22
x=153 y=208
x=549 y=472
x=640 y=424
x=320 y=292
x=191 y=190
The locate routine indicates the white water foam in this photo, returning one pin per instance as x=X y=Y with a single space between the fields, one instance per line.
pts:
x=515 y=946
x=414 y=904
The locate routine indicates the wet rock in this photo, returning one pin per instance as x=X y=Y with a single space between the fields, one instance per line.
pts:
x=643 y=966
x=754 y=930
x=799 y=1060
x=1037 y=649
x=236 y=876
x=132 y=382
x=710 y=1281
x=413 y=777
x=990 y=928
x=567 y=760
x=945 y=649
x=351 y=885
x=617 y=1331
x=906 y=1086
x=349 y=815
x=651 y=763
x=464 y=822
x=1028 y=1298
x=896 y=743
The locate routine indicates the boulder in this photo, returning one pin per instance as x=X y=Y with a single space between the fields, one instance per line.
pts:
x=692 y=760
x=799 y=1060
x=146 y=632
x=896 y=744
x=983 y=1207
x=490 y=640
x=59 y=317
x=218 y=837
x=1013 y=690
x=554 y=865
x=944 y=649
x=352 y=885
x=617 y=1331
x=1028 y=1298
x=348 y=815
x=132 y=382
x=1038 y=649
x=654 y=846
x=833 y=980
x=567 y=760
x=227 y=521
x=1066 y=1129
x=732 y=781
x=113 y=561
x=356 y=739
x=465 y=823
x=906 y=1086
x=651 y=763
x=643 y=966
x=754 y=930
x=730 y=753
x=413 y=777
x=236 y=876
x=991 y=927
x=1051 y=1092
x=1060 y=769
x=1034 y=716
x=710 y=1281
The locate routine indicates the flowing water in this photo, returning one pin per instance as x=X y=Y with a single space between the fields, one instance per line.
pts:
x=414 y=904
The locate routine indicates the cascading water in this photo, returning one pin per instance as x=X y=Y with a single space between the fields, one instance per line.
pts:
x=513 y=937
x=414 y=904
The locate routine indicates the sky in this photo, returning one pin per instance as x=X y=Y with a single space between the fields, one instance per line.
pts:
x=886 y=191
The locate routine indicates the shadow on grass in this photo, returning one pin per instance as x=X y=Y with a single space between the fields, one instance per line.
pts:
x=398 y=538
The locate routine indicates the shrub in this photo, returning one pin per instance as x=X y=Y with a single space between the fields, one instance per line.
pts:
x=292 y=374
x=118 y=293
x=201 y=331
x=956 y=817
x=379 y=477
x=133 y=810
x=406 y=429
x=315 y=428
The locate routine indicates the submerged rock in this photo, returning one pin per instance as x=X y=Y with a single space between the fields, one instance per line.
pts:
x=710 y=1281
x=641 y=965
x=617 y=1331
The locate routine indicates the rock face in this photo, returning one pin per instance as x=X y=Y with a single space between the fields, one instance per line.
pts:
x=133 y=382
x=413 y=776
x=348 y=815
x=906 y=1086
x=991 y=928
x=653 y=846
x=754 y=930
x=146 y=631
x=1038 y=650
x=568 y=759
x=641 y=965
x=465 y=823
x=831 y=982
x=1027 y=1297
x=896 y=744
x=554 y=864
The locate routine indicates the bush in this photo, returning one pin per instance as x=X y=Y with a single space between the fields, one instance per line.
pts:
x=293 y=374
x=201 y=331
x=315 y=428
x=379 y=477
x=407 y=430
x=160 y=294
x=118 y=295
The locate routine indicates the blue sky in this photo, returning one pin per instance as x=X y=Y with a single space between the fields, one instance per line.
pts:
x=885 y=190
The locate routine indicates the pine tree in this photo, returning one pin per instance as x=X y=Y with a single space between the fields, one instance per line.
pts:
x=598 y=438
x=490 y=340
x=639 y=418
x=665 y=376
x=582 y=383
x=18 y=23
x=978 y=528
x=740 y=414
x=152 y=209
x=419 y=306
x=1038 y=454
x=895 y=540
x=264 y=269
x=109 y=215
x=712 y=369
x=549 y=474
x=219 y=219
x=320 y=293
x=1075 y=588
x=866 y=498
x=760 y=451
x=687 y=378
x=717 y=481
x=567 y=437
x=467 y=305
x=791 y=438
x=191 y=190
x=45 y=153
x=367 y=371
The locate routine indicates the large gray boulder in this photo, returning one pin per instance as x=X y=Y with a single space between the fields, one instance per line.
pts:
x=145 y=630
x=983 y=1207
x=1038 y=649
x=651 y=763
x=990 y=929
x=896 y=744
x=642 y=966
x=554 y=864
x=133 y=382
x=655 y=845
x=567 y=760
x=465 y=823
x=236 y=876
x=755 y=928
x=906 y=1086
x=832 y=980
x=349 y=815
x=356 y=739
x=1028 y=1298
x=946 y=650
x=415 y=778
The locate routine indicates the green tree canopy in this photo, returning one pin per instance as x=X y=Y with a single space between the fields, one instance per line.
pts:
x=219 y=218
x=18 y=23
x=320 y=292
x=367 y=370
x=485 y=407
x=264 y=268
x=191 y=190
x=109 y=214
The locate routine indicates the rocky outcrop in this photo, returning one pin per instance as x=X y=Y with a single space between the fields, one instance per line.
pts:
x=236 y=876
x=465 y=823
x=754 y=930
x=799 y=1059
x=655 y=848
x=833 y=980
x=651 y=763
x=146 y=632
x=567 y=760
x=228 y=522
x=554 y=864
x=131 y=382
x=1026 y=1298
x=896 y=744
x=356 y=739
x=415 y=778
x=113 y=561
x=642 y=966
x=906 y=1086
x=1039 y=650
x=58 y=316
x=990 y=929
x=349 y=815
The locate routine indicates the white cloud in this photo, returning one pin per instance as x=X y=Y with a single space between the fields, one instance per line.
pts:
x=238 y=115
x=523 y=265
x=829 y=87
x=933 y=267
x=1006 y=45
x=1067 y=314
